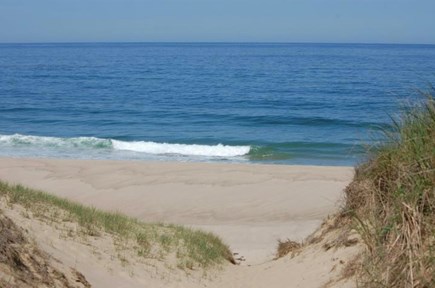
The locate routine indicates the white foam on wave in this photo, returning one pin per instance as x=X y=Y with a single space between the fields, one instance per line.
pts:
x=43 y=141
x=80 y=143
x=182 y=149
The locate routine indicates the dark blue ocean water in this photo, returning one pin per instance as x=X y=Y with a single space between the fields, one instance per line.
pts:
x=267 y=103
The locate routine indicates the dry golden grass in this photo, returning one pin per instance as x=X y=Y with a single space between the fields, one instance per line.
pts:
x=392 y=202
x=286 y=247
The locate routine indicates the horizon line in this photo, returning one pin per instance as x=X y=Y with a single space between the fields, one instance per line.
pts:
x=212 y=42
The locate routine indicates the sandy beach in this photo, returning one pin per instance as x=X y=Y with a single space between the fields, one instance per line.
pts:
x=249 y=206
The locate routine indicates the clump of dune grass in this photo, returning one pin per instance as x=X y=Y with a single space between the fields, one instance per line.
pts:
x=192 y=248
x=286 y=247
x=392 y=200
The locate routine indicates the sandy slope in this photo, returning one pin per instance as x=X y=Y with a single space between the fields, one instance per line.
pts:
x=109 y=265
x=249 y=206
x=24 y=265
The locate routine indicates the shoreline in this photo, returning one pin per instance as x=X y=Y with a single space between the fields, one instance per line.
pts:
x=249 y=206
x=94 y=148
x=303 y=163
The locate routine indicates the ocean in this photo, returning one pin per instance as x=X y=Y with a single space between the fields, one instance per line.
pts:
x=311 y=104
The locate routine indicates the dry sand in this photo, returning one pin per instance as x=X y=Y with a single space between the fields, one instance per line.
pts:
x=105 y=264
x=249 y=206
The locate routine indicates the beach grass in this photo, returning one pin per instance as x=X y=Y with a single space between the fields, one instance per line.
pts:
x=392 y=202
x=286 y=247
x=192 y=248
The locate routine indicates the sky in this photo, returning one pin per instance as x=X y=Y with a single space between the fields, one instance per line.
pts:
x=319 y=21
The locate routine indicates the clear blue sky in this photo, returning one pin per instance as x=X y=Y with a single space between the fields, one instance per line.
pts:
x=363 y=21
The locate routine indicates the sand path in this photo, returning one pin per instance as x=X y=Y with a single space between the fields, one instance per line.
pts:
x=249 y=206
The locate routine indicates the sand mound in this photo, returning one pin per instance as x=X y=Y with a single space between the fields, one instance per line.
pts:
x=327 y=259
x=23 y=264
x=246 y=205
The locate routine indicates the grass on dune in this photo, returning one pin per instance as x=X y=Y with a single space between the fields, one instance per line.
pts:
x=392 y=201
x=193 y=248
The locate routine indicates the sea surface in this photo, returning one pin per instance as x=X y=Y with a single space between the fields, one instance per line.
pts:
x=318 y=104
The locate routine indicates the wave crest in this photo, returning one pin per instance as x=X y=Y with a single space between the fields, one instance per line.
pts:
x=182 y=149
x=42 y=141
x=220 y=150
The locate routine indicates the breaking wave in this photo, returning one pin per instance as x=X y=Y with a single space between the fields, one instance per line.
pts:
x=148 y=147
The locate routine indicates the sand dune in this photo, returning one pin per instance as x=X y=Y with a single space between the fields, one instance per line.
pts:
x=249 y=206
